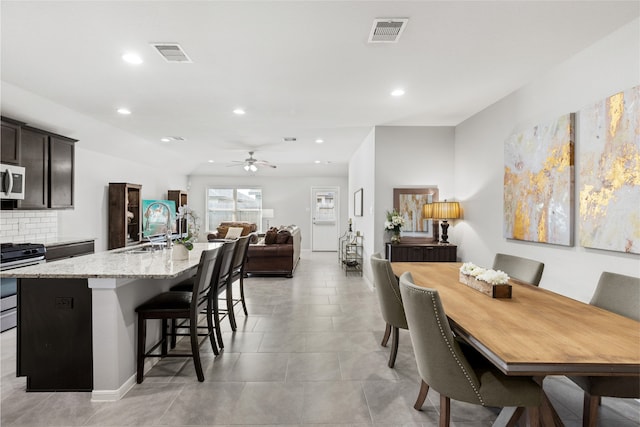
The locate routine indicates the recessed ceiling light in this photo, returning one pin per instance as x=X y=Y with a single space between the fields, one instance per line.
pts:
x=211 y=161
x=124 y=111
x=132 y=58
x=397 y=92
x=239 y=111
x=319 y=141
x=317 y=162
x=173 y=139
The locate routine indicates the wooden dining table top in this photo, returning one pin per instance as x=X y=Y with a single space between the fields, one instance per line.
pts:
x=536 y=331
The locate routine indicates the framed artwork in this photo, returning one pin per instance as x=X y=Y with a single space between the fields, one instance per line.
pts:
x=609 y=186
x=538 y=183
x=357 y=203
x=408 y=202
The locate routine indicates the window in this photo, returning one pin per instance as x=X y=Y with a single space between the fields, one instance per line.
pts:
x=233 y=204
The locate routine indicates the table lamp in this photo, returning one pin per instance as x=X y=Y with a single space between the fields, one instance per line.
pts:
x=444 y=211
x=268 y=214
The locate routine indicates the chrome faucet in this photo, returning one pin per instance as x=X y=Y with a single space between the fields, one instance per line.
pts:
x=169 y=224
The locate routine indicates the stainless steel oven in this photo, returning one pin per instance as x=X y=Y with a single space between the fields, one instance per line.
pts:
x=15 y=255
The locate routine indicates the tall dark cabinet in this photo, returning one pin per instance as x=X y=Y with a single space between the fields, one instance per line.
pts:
x=125 y=214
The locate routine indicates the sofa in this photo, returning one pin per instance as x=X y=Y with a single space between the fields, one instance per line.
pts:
x=223 y=228
x=277 y=253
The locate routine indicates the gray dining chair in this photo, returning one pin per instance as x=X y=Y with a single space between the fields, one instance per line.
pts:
x=522 y=269
x=444 y=366
x=390 y=302
x=619 y=294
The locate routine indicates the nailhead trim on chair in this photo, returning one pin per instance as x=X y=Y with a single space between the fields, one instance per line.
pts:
x=390 y=279
x=453 y=353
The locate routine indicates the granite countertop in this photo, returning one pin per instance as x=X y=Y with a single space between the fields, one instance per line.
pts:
x=117 y=263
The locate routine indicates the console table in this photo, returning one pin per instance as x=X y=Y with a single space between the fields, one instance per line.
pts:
x=420 y=252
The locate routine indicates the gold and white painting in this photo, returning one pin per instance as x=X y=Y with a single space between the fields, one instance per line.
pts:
x=609 y=213
x=539 y=183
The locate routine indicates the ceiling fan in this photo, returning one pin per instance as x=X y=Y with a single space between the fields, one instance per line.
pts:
x=251 y=164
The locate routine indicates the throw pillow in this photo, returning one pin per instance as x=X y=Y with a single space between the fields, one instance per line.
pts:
x=233 y=233
x=283 y=236
x=270 y=236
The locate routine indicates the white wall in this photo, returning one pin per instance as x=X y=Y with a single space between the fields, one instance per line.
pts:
x=362 y=175
x=609 y=66
x=412 y=156
x=289 y=197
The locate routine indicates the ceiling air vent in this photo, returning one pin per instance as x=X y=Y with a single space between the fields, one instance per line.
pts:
x=171 y=52
x=387 y=30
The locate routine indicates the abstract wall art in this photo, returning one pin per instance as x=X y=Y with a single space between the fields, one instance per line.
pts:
x=539 y=183
x=609 y=178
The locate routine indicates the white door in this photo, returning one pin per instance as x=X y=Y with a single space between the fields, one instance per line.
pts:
x=324 y=218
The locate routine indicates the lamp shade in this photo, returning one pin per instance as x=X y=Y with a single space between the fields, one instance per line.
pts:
x=427 y=210
x=268 y=213
x=445 y=210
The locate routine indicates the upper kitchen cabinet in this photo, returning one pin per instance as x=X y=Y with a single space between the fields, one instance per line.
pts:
x=34 y=157
x=10 y=142
x=61 y=172
x=49 y=162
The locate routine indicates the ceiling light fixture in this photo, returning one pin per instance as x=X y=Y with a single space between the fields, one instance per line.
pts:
x=211 y=161
x=397 y=92
x=132 y=58
x=250 y=168
x=239 y=111
x=124 y=111
x=319 y=141
x=165 y=139
x=317 y=162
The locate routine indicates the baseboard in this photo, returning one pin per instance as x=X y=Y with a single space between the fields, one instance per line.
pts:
x=113 y=395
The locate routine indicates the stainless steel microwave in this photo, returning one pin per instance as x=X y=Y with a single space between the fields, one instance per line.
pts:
x=12 y=182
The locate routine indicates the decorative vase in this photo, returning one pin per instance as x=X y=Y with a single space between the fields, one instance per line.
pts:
x=395 y=237
x=179 y=252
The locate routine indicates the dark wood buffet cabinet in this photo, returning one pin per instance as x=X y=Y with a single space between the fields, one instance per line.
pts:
x=420 y=252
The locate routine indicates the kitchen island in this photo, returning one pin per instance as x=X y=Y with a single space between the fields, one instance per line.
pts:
x=90 y=303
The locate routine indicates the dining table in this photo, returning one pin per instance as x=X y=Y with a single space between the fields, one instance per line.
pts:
x=535 y=332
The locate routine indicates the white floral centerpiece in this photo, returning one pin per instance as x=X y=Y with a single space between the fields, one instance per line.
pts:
x=494 y=283
x=185 y=240
x=394 y=224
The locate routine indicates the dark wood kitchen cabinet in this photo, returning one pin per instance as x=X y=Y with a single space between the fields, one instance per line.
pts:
x=61 y=172
x=49 y=162
x=411 y=252
x=34 y=157
x=10 y=141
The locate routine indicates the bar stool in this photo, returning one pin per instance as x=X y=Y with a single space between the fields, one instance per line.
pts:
x=178 y=305
x=237 y=273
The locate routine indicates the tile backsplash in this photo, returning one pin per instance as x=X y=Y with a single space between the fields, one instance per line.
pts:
x=23 y=226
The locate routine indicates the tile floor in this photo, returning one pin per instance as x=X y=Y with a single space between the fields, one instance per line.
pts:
x=308 y=353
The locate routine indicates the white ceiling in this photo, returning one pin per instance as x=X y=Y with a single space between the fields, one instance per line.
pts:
x=299 y=68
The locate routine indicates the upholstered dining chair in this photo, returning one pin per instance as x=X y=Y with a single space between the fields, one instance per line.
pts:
x=619 y=294
x=443 y=365
x=390 y=302
x=522 y=269
x=178 y=305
